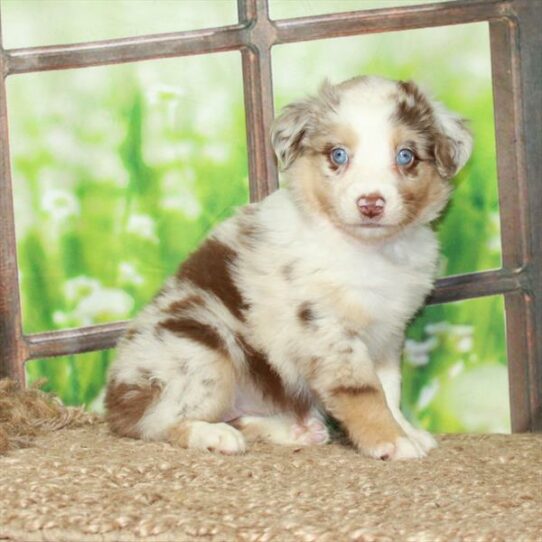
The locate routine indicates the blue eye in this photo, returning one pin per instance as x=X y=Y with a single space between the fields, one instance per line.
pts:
x=404 y=157
x=339 y=156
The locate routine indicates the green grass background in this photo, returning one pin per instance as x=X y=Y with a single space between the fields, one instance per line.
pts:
x=120 y=171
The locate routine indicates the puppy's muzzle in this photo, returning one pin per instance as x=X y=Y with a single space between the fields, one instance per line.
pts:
x=371 y=205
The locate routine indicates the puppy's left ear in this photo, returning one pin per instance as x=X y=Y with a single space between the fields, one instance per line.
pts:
x=453 y=146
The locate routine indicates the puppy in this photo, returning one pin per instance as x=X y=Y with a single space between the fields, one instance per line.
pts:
x=297 y=306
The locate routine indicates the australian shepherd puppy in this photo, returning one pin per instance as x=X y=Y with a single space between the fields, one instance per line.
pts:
x=297 y=305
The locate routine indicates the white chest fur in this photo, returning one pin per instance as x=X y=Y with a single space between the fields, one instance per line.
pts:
x=378 y=286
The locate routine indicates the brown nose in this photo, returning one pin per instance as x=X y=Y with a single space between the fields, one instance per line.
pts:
x=371 y=205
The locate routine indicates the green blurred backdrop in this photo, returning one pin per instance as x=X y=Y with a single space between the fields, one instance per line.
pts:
x=120 y=171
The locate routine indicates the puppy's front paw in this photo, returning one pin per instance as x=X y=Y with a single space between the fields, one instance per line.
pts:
x=422 y=438
x=401 y=448
x=405 y=448
x=426 y=441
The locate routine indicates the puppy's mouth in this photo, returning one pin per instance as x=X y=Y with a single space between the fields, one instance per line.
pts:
x=375 y=225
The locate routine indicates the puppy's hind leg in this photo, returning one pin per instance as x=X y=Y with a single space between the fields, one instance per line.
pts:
x=185 y=411
x=200 y=406
x=284 y=429
x=215 y=437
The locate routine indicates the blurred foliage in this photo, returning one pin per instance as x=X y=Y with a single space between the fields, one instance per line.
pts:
x=119 y=172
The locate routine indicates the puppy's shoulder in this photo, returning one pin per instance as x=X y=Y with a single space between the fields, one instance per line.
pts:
x=273 y=222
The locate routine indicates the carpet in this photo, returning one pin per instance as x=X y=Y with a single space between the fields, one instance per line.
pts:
x=82 y=484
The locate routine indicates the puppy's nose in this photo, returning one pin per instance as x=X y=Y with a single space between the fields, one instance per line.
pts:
x=371 y=205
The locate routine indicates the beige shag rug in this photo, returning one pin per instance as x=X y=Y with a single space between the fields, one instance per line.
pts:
x=82 y=484
x=28 y=412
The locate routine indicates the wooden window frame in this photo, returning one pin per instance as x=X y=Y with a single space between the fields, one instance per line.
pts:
x=515 y=41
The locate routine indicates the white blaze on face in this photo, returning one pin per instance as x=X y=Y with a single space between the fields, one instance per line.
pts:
x=368 y=112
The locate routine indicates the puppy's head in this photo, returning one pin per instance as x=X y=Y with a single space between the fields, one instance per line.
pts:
x=371 y=154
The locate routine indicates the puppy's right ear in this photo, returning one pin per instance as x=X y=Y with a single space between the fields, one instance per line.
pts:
x=289 y=131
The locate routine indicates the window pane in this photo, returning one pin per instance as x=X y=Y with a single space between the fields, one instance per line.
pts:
x=50 y=22
x=119 y=172
x=284 y=9
x=455 y=377
x=453 y=63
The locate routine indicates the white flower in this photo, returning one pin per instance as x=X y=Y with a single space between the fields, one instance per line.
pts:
x=168 y=97
x=214 y=113
x=105 y=166
x=180 y=195
x=438 y=329
x=417 y=353
x=59 y=204
x=417 y=359
x=185 y=150
x=159 y=152
x=129 y=274
x=93 y=303
x=216 y=152
x=164 y=93
x=465 y=344
x=81 y=286
x=55 y=178
x=142 y=226
x=103 y=304
x=103 y=126
x=463 y=336
x=456 y=369
x=428 y=394
x=462 y=331
x=187 y=204
x=63 y=145
x=60 y=318
x=174 y=179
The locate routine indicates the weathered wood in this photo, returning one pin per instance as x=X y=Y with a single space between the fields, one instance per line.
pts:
x=12 y=346
x=516 y=45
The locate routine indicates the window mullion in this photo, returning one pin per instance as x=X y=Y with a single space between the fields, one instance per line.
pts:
x=13 y=348
x=258 y=96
